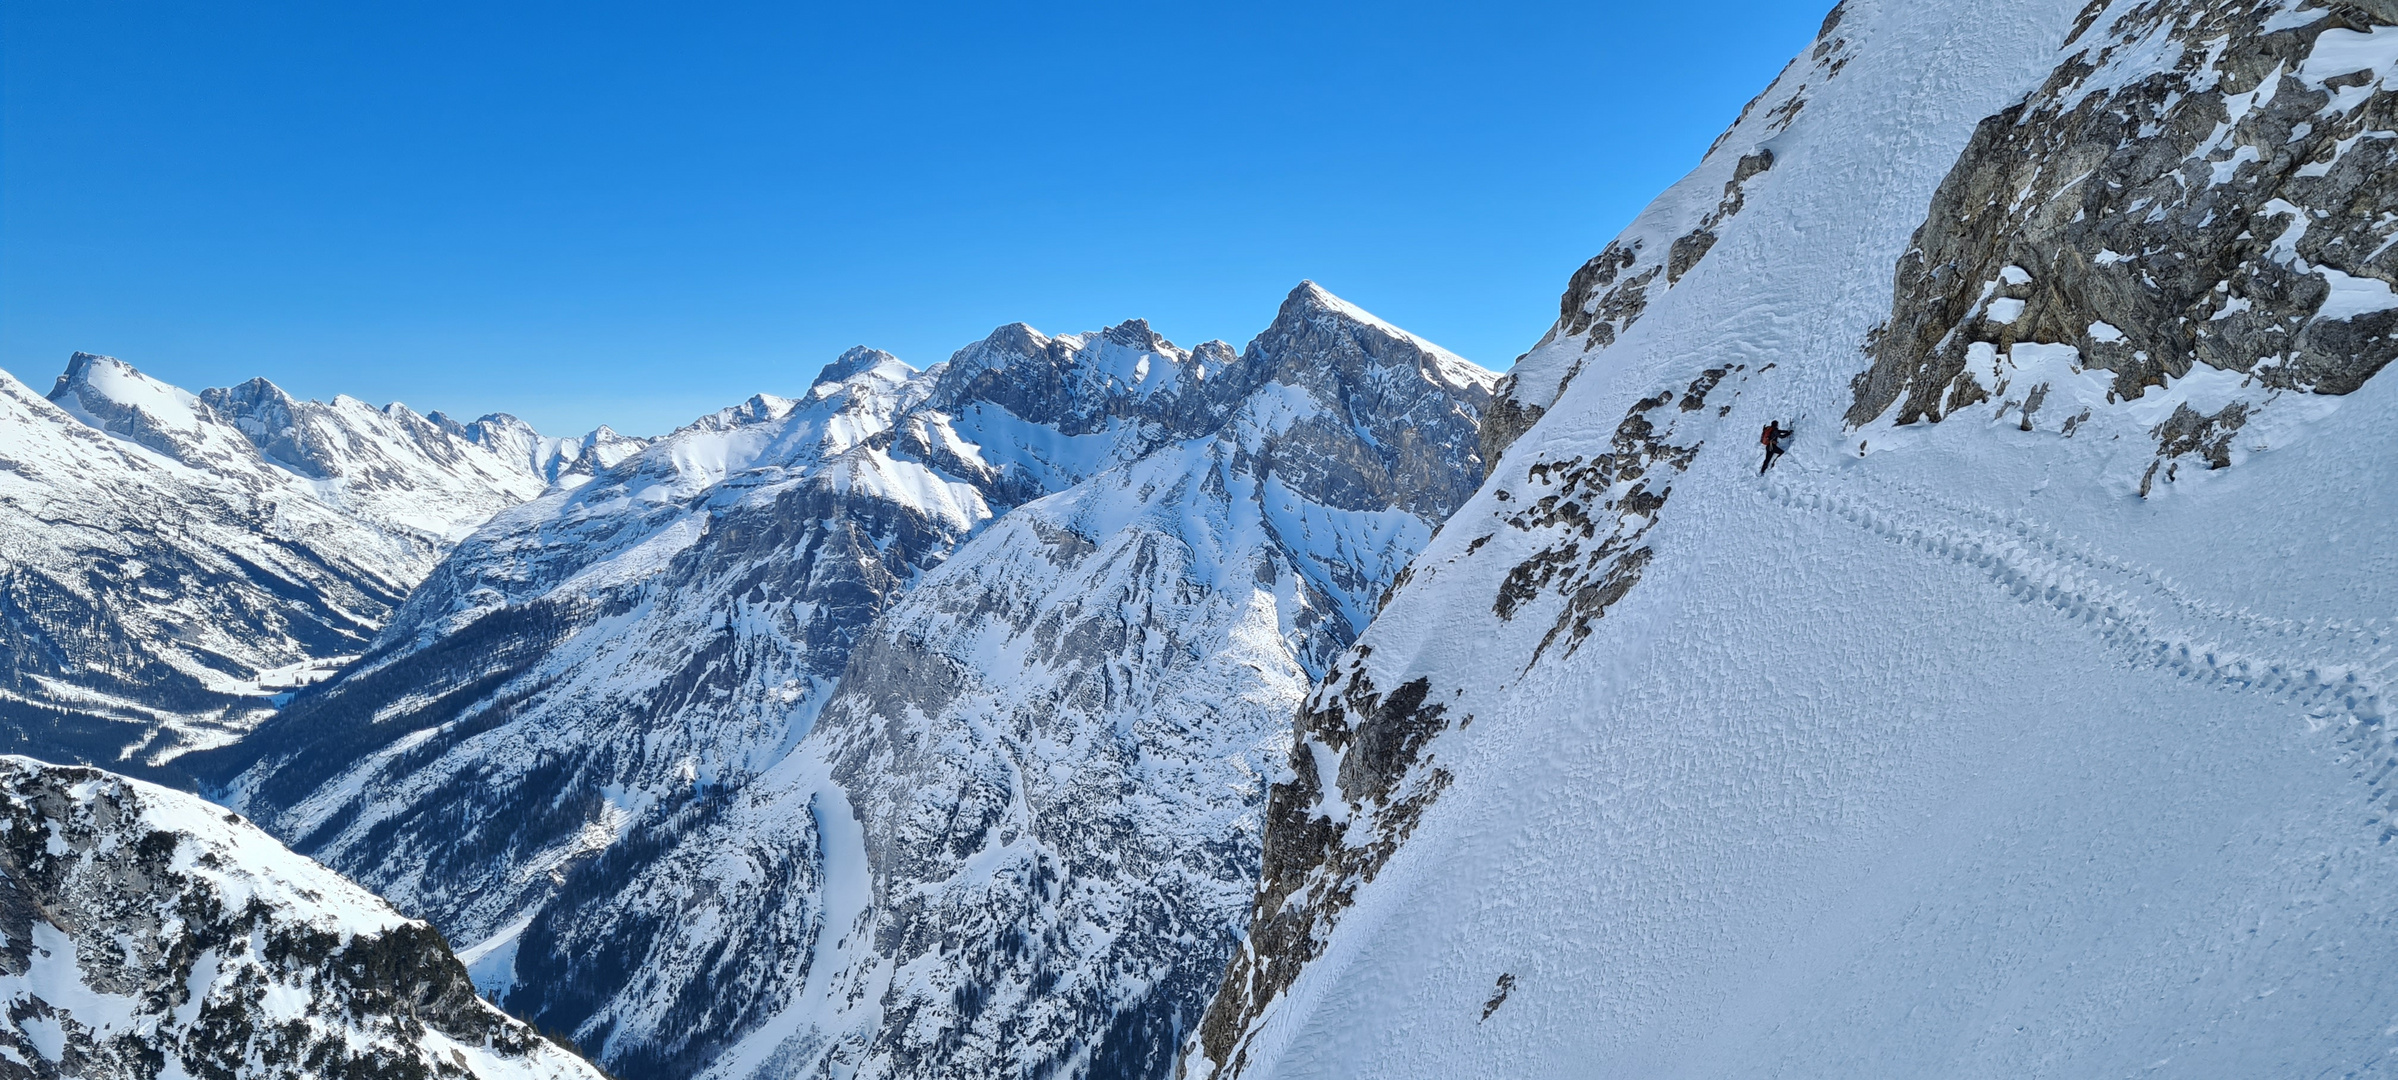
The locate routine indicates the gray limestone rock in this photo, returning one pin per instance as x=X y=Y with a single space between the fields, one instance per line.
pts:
x=2226 y=211
x=144 y=933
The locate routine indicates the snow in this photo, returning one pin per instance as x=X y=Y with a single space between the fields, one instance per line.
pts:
x=1936 y=751
x=107 y=938
x=491 y=962
x=999 y=439
x=2352 y=296
x=118 y=382
x=824 y=1008
x=2340 y=52
x=56 y=977
x=248 y=864
x=285 y=526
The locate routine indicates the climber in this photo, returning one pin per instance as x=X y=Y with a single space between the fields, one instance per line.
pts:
x=1773 y=438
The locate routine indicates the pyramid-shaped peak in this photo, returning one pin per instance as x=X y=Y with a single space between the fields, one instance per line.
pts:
x=1312 y=309
x=860 y=360
x=1309 y=298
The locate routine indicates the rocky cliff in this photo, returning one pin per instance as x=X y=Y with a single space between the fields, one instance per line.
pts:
x=145 y=933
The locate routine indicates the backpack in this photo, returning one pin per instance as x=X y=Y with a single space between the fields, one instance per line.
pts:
x=1767 y=439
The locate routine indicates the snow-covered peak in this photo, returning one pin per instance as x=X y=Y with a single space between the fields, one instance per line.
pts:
x=1330 y=374
x=384 y=463
x=862 y=361
x=758 y=409
x=146 y=933
x=111 y=395
x=181 y=561
x=95 y=385
x=1310 y=302
x=560 y=461
x=1311 y=309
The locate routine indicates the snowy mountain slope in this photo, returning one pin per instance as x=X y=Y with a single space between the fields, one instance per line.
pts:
x=642 y=817
x=1032 y=799
x=145 y=933
x=605 y=655
x=175 y=561
x=2029 y=719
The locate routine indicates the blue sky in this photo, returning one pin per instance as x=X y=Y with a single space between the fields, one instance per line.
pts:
x=631 y=214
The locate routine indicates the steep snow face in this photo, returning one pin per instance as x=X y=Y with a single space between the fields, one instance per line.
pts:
x=1992 y=732
x=993 y=654
x=145 y=933
x=176 y=561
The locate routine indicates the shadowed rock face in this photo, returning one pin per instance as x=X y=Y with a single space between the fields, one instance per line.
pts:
x=146 y=933
x=973 y=672
x=2224 y=210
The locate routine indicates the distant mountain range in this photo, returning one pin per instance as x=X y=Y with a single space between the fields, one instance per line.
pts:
x=176 y=563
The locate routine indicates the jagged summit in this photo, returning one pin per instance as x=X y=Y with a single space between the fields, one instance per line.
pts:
x=860 y=360
x=602 y=692
x=1136 y=333
x=1310 y=310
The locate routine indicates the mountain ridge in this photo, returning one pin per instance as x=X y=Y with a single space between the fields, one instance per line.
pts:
x=608 y=692
x=180 y=560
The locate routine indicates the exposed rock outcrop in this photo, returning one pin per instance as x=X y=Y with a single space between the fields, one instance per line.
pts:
x=2220 y=208
x=145 y=933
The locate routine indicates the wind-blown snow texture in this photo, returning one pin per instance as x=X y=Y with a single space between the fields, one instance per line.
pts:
x=145 y=933
x=915 y=727
x=170 y=563
x=2029 y=719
